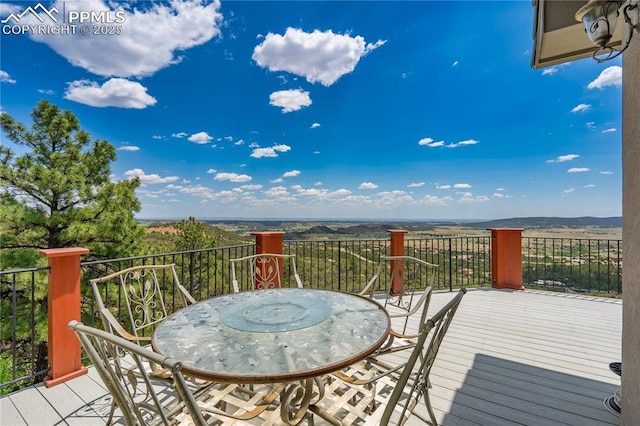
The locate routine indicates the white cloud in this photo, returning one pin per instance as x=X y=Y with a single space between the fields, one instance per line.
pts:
x=443 y=187
x=129 y=148
x=430 y=143
x=277 y=191
x=563 y=158
x=314 y=125
x=5 y=78
x=455 y=63
x=462 y=186
x=200 y=138
x=393 y=198
x=611 y=76
x=367 y=185
x=578 y=170
x=604 y=172
x=550 y=71
x=433 y=200
x=416 y=184
x=198 y=191
x=270 y=152
x=463 y=143
x=290 y=100
x=311 y=192
x=179 y=135
x=467 y=197
x=319 y=56
x=212 y=171
x=497 y=195
x=233 y=177
x=589 y=186
x=581 y=108
x=152 y=34
x=292 y=173
x=116 y=92
x=568 y=190
x=251 y=187
x=146 y=179
x=46 y=91
x=612 y=129
x=240 y=142
x=340 y=192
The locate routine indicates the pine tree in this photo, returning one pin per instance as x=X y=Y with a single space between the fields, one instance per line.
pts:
x=59 y=192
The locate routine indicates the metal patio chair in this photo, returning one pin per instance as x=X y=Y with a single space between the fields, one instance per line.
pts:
x=381 y=394
x=407 y=283
x=143 y=298
x=145 y=305
x=142 y=401
x=263 y=271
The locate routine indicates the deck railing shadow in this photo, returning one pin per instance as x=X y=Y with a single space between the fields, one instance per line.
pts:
x=498 y=391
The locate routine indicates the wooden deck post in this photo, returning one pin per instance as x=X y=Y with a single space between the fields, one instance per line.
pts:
x=506 y=258
x=397 y=266
x=63 y=304
x=269 y=242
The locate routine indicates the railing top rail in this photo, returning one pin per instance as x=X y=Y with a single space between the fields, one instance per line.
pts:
x=22 y=271
x=155 y=256
x=351 y=240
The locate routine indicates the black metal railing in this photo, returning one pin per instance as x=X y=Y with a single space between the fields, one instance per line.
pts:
x=347 y=265
x=23 y=327
x=582 y=265
x=576 y=265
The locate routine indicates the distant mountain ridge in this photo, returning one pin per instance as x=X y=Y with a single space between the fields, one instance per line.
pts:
x=322 y=229
x=550 y=222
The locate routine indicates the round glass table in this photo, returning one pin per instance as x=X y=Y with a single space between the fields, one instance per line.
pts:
x=272 y=336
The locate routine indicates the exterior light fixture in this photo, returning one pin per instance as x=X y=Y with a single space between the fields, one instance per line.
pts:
x=600 y=18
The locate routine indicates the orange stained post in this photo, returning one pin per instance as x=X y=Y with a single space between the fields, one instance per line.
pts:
x=506 y=258
x=269 y=242
x=63 y=306
x=397 y=266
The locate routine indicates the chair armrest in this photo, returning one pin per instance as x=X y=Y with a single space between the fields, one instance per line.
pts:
x=365 y=290
x=236 y=288
x=186 y=297
x=403 y=336
x=113 y=322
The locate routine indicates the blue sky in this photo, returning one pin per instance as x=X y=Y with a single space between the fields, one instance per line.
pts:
x=330 y=110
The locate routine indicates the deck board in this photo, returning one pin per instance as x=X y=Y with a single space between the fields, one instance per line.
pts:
x=509 y=357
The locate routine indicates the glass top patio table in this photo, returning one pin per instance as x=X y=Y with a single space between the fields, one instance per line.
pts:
x=274 y=335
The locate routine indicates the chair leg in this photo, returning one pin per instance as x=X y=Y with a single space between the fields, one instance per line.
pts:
x=427 y=402
x=112 y=410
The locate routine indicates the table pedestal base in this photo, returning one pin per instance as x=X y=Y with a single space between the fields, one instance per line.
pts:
x=295 y=399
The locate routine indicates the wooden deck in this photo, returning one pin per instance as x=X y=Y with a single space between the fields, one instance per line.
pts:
x=510 y=357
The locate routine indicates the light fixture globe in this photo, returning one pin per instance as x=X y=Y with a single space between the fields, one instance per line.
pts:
x=599 y=18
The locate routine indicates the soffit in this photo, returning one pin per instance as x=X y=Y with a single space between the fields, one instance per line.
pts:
x=558 y=37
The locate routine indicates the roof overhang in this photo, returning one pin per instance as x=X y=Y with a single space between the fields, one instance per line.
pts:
x=558 y=37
